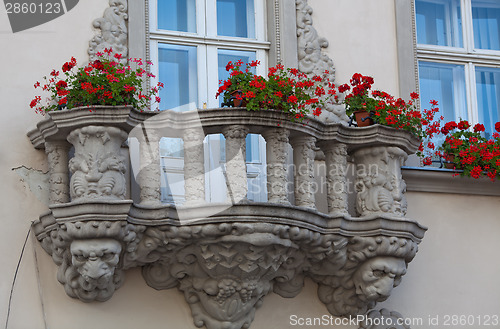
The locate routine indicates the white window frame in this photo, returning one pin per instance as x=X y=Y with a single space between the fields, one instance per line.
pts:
x=208 y=42
x=468 y=56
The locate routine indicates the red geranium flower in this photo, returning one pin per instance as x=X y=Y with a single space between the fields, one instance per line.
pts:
x=479 y=127
x=463 y=125
x=292 y=99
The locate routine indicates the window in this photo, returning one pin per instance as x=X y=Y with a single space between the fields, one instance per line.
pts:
x=458 y=52
x=191 y=41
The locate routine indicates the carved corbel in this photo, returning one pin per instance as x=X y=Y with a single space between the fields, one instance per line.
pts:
x=373 y=268
x=89 y=257
x=226 y=270
x=224 y=277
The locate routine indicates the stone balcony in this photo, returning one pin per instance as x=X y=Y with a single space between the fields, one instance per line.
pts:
x=227 y=256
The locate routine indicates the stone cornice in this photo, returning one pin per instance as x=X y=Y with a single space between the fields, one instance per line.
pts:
x=212 y=120
x=58 y=124
x=448 y=181
x=257 y=213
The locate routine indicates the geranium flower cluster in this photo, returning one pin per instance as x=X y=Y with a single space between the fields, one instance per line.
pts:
x=469 y=151
x=387 y=110
x=286 y=90
x=104 y=81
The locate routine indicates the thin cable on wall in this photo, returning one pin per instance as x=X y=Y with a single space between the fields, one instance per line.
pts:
x=15 y=278
x=40 y=294
x=37 y=276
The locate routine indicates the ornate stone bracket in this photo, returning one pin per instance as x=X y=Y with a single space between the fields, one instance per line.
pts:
x=227 y=257
x=88 y=247
x=373 y=267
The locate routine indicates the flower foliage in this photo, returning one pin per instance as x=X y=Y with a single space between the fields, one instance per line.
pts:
x=468 y=150
x=387 y=110
x=286 y=90
x=104 y=81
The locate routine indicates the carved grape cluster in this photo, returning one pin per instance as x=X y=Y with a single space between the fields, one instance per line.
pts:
x=228 y=287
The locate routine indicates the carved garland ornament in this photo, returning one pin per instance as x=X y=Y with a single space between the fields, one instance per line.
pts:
x=113 y=31
x=312 y=59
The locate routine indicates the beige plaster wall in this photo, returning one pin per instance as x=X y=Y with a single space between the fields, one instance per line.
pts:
x=25 y=57
x=456 y=270
x=362 y=38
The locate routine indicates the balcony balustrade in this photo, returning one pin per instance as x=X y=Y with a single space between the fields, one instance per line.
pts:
x=227 y=256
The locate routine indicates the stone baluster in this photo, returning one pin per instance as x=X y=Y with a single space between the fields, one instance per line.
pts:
x=194 y=166
x=150 y=172
x=236 y=173
x=336 y=180
x=276 y=154
x=57 y=155
x=303 y=159
x=379 y=184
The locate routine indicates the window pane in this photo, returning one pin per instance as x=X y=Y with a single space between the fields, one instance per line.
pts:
x=177 y=71
x=177 y=15
x=236 y=18
x=488 y=97
x=439 y=23
x=486 y=24
x=171 y=147
x=252 y=148
x=225 y=56
x=444 y=83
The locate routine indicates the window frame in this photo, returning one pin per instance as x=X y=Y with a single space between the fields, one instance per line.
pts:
x=468 y=56
x=208 y=42
x=429 y=179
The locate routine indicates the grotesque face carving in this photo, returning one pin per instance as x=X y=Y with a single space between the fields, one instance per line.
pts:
x=96 y=259
x=375 y=278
